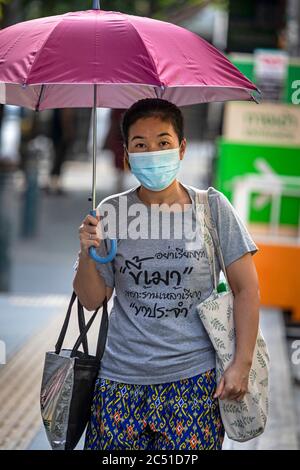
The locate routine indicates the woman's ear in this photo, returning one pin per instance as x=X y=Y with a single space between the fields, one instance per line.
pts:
x=126 y=164
x=182 y=148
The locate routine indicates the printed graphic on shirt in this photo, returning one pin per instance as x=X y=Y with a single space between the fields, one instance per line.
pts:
x=152 y=279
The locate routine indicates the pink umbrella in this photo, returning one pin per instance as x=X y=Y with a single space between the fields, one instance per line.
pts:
x=108 y=59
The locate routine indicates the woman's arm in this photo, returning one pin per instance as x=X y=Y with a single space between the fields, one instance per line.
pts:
x=243 y=279
x=89 y=285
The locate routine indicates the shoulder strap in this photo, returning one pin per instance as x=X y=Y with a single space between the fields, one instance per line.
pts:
x=82 y=339
x=102 y=335
x=209 y=223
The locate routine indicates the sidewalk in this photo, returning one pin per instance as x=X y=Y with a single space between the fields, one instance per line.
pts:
x=281 y=429
x=32 y=315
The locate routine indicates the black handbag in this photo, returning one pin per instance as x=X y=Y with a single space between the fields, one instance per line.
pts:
x=68 y=382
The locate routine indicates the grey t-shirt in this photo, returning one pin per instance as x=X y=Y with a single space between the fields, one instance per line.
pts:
x=155 y=334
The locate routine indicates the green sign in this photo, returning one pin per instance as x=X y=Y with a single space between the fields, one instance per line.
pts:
x=245 y=63
x=258 y=164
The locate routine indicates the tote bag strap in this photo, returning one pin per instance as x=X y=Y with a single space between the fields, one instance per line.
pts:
x=82 y=327
x=81 y=324
x=207 y=239
x=63 y=332
x=102 y=336
x=211 y=231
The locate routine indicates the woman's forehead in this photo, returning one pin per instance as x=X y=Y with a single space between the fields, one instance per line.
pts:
x=151 y=126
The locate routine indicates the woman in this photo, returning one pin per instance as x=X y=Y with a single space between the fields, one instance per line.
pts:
x=156 y=387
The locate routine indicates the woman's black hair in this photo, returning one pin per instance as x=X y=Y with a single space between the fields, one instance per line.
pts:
x=152 y=107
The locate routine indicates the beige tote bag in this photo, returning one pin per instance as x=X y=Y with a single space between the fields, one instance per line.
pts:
x=245 y=419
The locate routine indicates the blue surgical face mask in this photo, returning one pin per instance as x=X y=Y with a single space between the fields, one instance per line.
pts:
x=155 y=170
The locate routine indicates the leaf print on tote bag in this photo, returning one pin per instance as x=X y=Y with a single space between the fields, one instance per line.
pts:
x=244 y=419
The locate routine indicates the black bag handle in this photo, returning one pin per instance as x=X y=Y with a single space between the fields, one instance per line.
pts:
x=102 y=335
x=81 y=324
x=81 y=321
x=62 y=334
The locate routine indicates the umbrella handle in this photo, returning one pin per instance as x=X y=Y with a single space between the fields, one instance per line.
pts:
x=111 y=254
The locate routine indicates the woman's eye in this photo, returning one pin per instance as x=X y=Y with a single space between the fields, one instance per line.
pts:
x=142 y=145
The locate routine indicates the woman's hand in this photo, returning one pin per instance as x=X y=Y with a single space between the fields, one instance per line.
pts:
x=89 y=233
x=234 y=382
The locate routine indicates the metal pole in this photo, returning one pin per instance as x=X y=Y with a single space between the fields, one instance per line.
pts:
x=113 y=242
x=94 y=146
x=293 y=33
x=6 y=228
x=96 y=5
x=31 y=197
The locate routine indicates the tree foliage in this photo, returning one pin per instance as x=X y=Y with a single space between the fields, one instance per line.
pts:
x=13 y=11
x=153 y=8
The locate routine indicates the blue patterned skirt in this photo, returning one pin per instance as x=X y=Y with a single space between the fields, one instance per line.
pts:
x=175 y=415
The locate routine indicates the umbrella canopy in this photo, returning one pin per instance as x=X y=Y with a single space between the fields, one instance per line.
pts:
x=54 y=62
x=108 y=59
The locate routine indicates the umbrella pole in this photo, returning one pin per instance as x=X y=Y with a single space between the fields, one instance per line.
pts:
x=96 y=6
x=113 y=242
x=94 y=147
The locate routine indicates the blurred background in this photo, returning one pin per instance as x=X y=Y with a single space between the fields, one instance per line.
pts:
x=251 y=153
